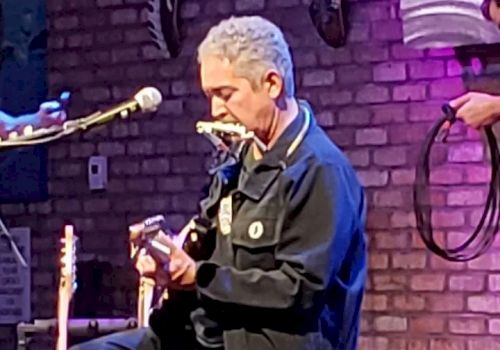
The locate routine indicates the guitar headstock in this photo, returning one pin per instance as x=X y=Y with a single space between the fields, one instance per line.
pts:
x=68 y=260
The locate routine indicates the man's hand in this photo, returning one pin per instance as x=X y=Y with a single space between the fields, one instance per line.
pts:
x=50 y=113
x=494 y=10
x=477 y=109
x=178 y=271
x=182 y=267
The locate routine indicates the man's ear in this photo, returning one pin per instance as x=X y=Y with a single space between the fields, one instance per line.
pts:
x=273 y=84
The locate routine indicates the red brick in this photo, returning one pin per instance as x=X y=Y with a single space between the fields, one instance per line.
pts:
x=447 y=88
x=494 y=325
x=388 y=114
x=466 y=283
x=373 y=178
x=359 y=32
x=390 y=324
x=388 y=198
x=414 y=260
x=141 y=184
x=65 y=22
x=390 y=156
x=390 y=240
x=373 y=343
x=454 y=68
x=318 y=77
x=477 y=174
x=466 y=197
x=410 y=92
x=392 y=282
x=400 y=219
x=440 y=52
x=328 y=57
x=445 y=302
x=371 y=52
x=484 y=303
x=438 y=263
x=467 y=326
x=466 y=152
x=488 y=262
x=335 y=98
x=425 y=111
x=483 y=344
x=390 y=71
x=371 y=136
x=378 y=261
x=447 y=344
x=124 y=16
x=403 y=176
x=442 y=218
x=155 y=166
x=359 y=158
x=446 y=176
x=351 y=74
x=402 y=134
x=371 y=93
x=354 y=116
x=249 y=5
x=140 y=148
x=402 y=51
x=388 y=30
x=342 y=137
x=418 y=344
x=374 y=12
x=374 y=302
x=408 y=302
x=426 y=69
x=96 y=205
x=325 y=119
x=494 y=283
x=427 y=324
x=428 y=282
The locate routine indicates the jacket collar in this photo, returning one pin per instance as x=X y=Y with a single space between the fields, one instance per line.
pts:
x=274 y=161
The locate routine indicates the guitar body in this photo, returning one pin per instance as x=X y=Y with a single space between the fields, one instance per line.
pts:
x=67 y=285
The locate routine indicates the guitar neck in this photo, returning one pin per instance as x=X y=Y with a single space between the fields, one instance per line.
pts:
x=62 y=318
x=66 y=286
x=144 y=300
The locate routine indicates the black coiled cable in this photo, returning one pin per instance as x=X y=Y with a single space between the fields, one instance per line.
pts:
x=483 y=236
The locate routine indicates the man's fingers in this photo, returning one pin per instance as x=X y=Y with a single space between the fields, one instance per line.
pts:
x=460 y=101
x=178 y=270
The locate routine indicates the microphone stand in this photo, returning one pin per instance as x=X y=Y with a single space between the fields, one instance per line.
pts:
x=53 y=133
x=4 y=232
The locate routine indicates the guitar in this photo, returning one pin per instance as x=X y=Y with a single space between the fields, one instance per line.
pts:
x=147 y=237
x=67 y=285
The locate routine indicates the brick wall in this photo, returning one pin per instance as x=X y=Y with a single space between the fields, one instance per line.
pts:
x=375 y=97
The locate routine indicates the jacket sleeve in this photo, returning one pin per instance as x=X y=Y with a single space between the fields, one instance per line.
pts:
x=319 y=223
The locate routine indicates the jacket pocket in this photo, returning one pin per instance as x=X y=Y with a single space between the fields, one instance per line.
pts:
x=254 y=242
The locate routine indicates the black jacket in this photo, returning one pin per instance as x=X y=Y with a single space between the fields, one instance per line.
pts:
x=289 y=266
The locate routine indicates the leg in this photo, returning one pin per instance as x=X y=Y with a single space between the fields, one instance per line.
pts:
x=137 y=339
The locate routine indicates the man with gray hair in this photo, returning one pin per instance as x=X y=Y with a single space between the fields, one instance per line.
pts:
x=289 y=265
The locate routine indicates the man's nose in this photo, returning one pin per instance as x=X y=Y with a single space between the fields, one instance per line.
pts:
x=217 y=108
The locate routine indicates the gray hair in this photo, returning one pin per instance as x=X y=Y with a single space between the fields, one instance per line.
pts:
x=254 y=45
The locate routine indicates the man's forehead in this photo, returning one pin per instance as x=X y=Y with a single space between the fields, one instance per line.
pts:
x=216 y=72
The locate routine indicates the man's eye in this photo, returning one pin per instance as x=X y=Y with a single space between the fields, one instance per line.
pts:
x=225 y=95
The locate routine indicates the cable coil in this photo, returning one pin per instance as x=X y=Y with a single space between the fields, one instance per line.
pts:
x=483 y=236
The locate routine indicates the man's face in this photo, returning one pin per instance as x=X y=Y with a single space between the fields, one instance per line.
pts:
x=232 y=99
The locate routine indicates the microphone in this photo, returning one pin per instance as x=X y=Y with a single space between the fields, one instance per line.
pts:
x=148 y=99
